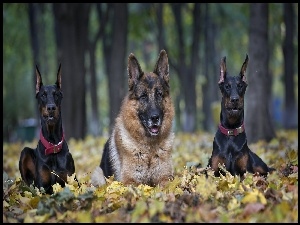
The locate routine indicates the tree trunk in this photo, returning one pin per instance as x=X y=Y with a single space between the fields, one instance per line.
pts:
x=160 y=27
x=71 y=26
x=258 y=120
x=96 y=129
x=35 y=46
x=93 y=87
x=210 y=89
x=290 y=108
x=187 y=72
x=115 y=46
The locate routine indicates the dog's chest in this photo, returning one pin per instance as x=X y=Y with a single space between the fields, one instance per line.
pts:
x=231 y=144
x=145 y=161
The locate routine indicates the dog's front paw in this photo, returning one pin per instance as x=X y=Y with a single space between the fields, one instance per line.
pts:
x=97 y=178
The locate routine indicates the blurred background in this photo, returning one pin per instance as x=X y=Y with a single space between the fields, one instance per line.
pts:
x=92 y=41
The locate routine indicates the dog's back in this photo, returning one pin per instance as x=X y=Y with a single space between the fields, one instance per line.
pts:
x=140 y=146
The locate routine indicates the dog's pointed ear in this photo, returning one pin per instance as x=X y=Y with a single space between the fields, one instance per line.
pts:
x=58 y=78
x=243 y=69
x=162 y=66
x=222 y=70
x=134 y=71
x=39 y=82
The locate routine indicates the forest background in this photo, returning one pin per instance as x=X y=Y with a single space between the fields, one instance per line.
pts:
x=92 y=41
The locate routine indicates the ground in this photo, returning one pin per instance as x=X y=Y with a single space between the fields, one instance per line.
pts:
x=190 y=197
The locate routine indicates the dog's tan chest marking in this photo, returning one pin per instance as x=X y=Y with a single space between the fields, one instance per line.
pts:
x=142 y=162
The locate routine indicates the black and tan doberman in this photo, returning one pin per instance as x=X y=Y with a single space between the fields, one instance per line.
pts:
x=230 y=146
x=51 y=161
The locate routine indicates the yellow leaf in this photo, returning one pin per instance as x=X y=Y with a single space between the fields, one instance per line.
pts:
x=156 y=207
x=145 y=190
x=29 y=219
x=71 y=180
x=38 y=192
x=205 y=187
x=292 y=156
x=254 y=196
x=56 y=188
x=28 y=194
x=5 y=204
x=42 y=219
x=34 y=202
x=233 y=204
x=139 y=210
x=24 y=200
x=84 y=217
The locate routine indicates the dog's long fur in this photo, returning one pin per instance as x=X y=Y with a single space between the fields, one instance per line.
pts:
x=140 y=146
x=38 y=166
x=232 y=149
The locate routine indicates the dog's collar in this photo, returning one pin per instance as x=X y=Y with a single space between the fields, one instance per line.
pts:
x=51 y=148
x=232 y=132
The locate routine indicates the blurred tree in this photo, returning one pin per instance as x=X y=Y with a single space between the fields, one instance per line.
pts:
x=18 y=89
x=187 y=63
x=210 y=87
x=290 y=108
x=93 y=84
x=114 y=53
x=71 y=29
x=41 y=45
x=149 y=28
x=35 y=45
x=159 y=7
x=258 y=120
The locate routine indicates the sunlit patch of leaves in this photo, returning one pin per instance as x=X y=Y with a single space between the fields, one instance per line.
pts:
x=194 y=195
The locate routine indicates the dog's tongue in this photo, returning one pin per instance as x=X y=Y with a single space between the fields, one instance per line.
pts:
x=154 y=129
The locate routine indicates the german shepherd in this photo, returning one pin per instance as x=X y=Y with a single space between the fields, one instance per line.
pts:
x=139 y=148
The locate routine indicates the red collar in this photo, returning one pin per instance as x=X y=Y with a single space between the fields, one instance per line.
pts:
x=51 y=148
x=231 y=132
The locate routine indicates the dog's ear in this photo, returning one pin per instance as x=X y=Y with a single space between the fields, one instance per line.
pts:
x=243 y=69
x=222 y=70
x=58 y=78
x=162 y=66
x=39 y=82
x=134 y=71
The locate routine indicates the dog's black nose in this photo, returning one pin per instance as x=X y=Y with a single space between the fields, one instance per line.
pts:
x=51 y=107
x=234 y=99
x=155 y=118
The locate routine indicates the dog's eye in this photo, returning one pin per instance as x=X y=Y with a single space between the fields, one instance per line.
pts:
x=240 y=85
x=227 y=86
x=143 y=97
x=44 y=95
x=56 y=96
x=159 y=94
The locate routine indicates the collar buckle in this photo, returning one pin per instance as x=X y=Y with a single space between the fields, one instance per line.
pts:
x=239 y=130
x=230 y=132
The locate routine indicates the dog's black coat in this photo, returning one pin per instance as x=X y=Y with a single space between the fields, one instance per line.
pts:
x=230 y=146
x=105 y=164
x=40 y=167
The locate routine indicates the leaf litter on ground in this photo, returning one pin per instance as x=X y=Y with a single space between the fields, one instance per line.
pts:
x=195 y=194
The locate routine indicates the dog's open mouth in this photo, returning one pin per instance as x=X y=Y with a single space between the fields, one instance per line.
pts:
x=233 y=110
x=50 y=119
x=152 y=125
x=153 y=130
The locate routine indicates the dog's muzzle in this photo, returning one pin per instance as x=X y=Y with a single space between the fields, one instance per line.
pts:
x=152 y=124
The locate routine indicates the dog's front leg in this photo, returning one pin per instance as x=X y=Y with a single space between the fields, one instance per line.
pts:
x=45 y=178
x=27 y=165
